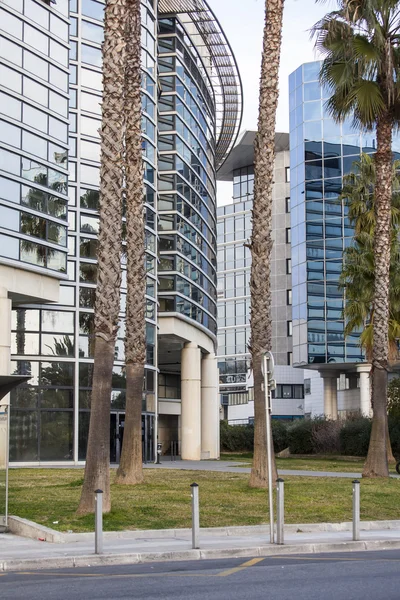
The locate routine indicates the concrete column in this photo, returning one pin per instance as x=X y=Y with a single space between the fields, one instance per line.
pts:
x=5 y=333
x=191 y=402
x=209 y=407
x=330 y=394
x=5 y=367
x=365 y=389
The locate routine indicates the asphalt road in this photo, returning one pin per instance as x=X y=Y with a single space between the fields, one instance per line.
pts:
x=349 y=576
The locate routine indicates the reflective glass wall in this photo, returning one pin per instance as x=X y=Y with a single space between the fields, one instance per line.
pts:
x=186 y=181
x=50 y=417
x=321 y=152
x=34 y=134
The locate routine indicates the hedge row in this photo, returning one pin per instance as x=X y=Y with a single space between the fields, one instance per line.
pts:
x=312 y=436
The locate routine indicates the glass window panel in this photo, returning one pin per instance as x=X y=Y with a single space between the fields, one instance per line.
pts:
x=34 y=171
x=25 y=319
x=58 y=104
x=58 y=78
x=12 y=52
x=92 y=32
x=57 y=399
x=35 y=91
x=56 y=435
x=9 y=246
x=92 y=9
x=36 y=13
x=9 y=218
x=11 y=79
x=57 y=260
x=58 y=130
x=59 y=53
x=35 y=118
x=25 y=343
x=10 y=162
x=57 y=345
x=90 y=126
x=67 y=296
x=58 y=27
x=90 y=175
x=24 y=397
x=24 y=435
x=10 y=134
x=9 y=190
x=91 y=79
x=91 y=56
x=90 y=150
x=34 y=145
x=91 y=103
x=34 y=38
x=11 y=24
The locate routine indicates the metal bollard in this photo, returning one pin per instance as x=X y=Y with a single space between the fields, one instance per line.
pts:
x=98 y=522
x=280 y=510
x=356 y=510
x=195 y=516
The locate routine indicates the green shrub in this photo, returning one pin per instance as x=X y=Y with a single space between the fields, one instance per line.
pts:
x=240 y=438
x=300 y=437
x=394 y=433
x=279 y=434
x=354 y=436
x=236 y=438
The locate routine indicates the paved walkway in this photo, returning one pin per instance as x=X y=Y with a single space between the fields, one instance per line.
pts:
x=17 y=553
x=227 y=466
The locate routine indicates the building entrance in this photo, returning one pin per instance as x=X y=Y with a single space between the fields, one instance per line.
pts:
x=117 y=426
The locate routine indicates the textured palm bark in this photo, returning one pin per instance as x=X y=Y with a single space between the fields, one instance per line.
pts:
x=130 y=469
x=261 y=241
x=376 y=464
x=97 y=469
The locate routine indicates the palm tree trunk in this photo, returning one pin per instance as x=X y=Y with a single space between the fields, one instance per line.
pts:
x=97 y=469
x=376 y=464
x=261 y=242
x=130 y=470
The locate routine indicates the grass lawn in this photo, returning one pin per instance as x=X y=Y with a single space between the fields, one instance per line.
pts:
x=309 y=463
x=50 y=497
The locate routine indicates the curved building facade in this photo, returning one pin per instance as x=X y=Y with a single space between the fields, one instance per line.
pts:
x=188 y=125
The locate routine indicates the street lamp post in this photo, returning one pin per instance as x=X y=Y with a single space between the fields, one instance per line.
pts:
x=267 y=368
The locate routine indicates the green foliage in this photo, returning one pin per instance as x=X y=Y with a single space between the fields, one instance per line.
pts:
x=394 y=433
x=394 y=398
x=236 y=438
x=300 y=437
x=361 y=69
x=240 y=438
x=358 y=272
x=354 y=436
x=324 y=436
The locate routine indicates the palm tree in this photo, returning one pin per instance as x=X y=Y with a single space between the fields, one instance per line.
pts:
x=261 y=242
x=97 y=469
x=358 y=272
x=362 y=67
x=130 y=469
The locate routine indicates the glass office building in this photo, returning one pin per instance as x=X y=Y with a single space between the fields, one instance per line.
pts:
x=321 y=153
x=234 y=266
x=51 y=53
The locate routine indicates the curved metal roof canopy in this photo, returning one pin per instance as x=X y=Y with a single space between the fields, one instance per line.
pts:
x=203 y=28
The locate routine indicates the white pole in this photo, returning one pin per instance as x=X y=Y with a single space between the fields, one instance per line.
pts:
x=269 y=457
x=356 y=510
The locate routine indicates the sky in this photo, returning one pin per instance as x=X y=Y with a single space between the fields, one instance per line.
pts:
x=243 y=22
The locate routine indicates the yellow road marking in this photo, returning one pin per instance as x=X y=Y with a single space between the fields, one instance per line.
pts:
x=111 y=575
x=334 y=558
x=241 y=567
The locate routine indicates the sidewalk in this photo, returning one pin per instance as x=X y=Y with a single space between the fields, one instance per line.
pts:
x=129 y=547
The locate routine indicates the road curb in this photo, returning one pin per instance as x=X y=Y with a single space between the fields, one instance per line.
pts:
x=32 y=530
x=93 y=560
